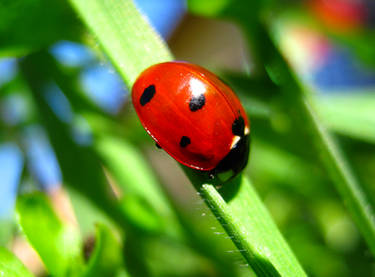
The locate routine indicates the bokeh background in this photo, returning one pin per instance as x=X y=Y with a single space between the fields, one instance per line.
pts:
x=331 y=46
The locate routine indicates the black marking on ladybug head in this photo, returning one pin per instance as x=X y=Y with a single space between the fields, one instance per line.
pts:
x=197 y=102
x=185 y=141
x=235 y=160
x=238 y=126
x=147 y=95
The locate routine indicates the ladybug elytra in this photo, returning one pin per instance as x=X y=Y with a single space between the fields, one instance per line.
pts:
x=194 y=117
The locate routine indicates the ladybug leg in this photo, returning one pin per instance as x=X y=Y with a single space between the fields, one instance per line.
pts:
x=212 y=176
x=157 y=145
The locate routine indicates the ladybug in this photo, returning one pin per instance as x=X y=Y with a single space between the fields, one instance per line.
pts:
x=194 y=117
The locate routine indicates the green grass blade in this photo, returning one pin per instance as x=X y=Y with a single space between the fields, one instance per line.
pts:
x=128 y=40
x=350 y=115
x=250 y=226
x=25 y=26
x=132 y=46
x=106 y=259
x=58 y=244
x=11 y=266
x=7 y=228
x=298 y=105
x=129 y=169
x=346 y=182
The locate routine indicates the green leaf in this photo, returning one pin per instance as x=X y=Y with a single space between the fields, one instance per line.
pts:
x=300 y=108
x=122 y=32
x=247 y=221
x=28 y=25
x=7 y=227
x=227 y=8
x=87 y=213
x=350 y=115
x=208 y=7
x=106 y=260
x=146 y=202
x=58 y=244
x=11 y=266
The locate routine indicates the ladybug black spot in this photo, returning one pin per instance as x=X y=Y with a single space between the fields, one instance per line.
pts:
x=197 y=102
x=185 y=141
x=238 y=126
x=147 y=95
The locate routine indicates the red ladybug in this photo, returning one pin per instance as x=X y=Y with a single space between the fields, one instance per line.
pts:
x=194 y=116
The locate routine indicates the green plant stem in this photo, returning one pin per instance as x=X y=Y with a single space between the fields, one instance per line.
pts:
x=246 y=220
x=345 y=181
x=297 y=103
x=126 y=37
x=133 y=46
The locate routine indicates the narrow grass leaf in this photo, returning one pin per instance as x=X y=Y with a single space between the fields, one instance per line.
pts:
x=301 y=109
x=58 y=244
x=250 y=226
x=11 y=266
x=106 y=259
x=29 y=25
x=129 y=41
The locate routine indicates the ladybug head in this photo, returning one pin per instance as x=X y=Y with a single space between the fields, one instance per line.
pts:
x=234 y=162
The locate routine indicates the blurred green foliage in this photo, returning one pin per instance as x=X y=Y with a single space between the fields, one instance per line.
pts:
x=28 y=25
x=106 y=260
x=144 y=231
x=58 y=245
x=11 y=266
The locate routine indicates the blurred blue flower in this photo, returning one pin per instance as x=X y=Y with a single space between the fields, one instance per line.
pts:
x=14 y=109
x=11 y=162
x=343 y=72
x=164 y=15
x=104 y=86
x=42 y=161
x=72 y=54
x=81 y=131
x=8 y=69
x=58 y=102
